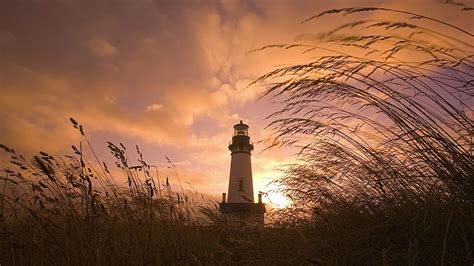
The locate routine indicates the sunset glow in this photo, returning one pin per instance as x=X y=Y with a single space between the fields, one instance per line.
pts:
x=236 y=132
x=168 y=76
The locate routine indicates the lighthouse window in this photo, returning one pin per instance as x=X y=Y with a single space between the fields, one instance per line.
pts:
x=241 y=185
x=240 y=132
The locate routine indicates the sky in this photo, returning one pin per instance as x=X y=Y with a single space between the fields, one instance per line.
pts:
x=169 y=76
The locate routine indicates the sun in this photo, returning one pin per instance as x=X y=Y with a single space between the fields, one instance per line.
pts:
x=273 y=195
x=278 y=199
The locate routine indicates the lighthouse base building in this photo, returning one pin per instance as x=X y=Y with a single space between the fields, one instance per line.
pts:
x=239 y=209
x=242 y=214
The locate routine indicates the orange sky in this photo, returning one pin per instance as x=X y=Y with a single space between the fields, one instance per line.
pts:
x=169 y=76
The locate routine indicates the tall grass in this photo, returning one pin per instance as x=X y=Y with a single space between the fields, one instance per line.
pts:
x=382 y=116
x=71 y=211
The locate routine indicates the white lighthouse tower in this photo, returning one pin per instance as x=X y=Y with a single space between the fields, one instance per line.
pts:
x=239 y=208
x=240 y=179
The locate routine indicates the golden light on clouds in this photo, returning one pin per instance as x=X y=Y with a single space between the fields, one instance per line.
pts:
x=171 y=76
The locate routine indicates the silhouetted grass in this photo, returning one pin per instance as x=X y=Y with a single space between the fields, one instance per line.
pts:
x=71 y=211
x=382 y=116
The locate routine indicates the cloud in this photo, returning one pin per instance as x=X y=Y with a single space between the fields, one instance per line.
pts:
x=154 y=107
x=101 y=47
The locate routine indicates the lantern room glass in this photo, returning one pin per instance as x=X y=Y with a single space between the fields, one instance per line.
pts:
x=240 y=132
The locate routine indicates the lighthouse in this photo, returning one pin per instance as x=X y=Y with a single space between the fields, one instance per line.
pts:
x=238 y=206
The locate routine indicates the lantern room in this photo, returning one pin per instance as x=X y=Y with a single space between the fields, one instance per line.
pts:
x=241 y=142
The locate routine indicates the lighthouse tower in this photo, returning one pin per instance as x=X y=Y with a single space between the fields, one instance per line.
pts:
x=240 y=179
x=239 y=208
